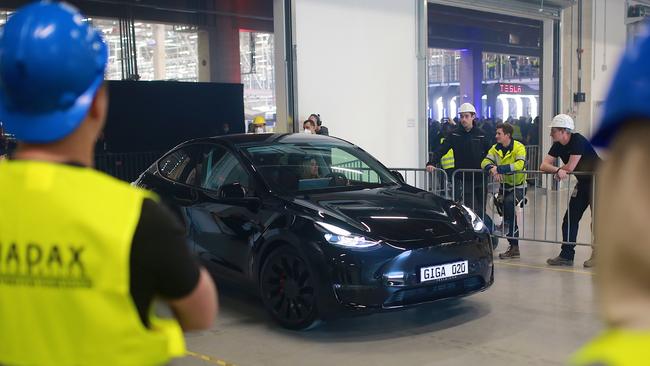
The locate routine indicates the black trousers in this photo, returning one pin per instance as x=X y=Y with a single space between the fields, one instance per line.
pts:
x=470 y=189
x=510 y=200
x=581 y=198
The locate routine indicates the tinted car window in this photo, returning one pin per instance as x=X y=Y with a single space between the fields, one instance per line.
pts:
x=177 y=165
x=317 y=166
x=353 y=167
x=207 y=166
x=222 y=168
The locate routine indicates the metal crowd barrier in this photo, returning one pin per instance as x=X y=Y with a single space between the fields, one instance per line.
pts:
x=436 y=181
x=125 y=166
x=532 y=156
x=539 y=215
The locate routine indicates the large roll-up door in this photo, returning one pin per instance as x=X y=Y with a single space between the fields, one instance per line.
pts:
x=535 y=9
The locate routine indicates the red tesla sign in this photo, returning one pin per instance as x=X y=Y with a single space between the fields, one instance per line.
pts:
x=510 y=88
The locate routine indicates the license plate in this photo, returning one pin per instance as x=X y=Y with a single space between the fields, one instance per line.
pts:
x=443 y=271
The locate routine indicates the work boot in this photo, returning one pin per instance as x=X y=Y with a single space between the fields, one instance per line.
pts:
x=589 y=262
x=559 y=261
x=511 y=253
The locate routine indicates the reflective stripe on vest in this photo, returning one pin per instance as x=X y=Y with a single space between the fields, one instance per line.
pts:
x=447 y=161
x=518 y=153
x=615 y=348
x=65 y=243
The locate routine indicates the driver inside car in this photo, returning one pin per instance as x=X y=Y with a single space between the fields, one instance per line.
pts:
x=310 y=168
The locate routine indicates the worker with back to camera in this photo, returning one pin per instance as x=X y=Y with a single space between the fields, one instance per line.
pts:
x=470 y=145
x=82 y=254
x=578 y=155
x=505 y=157
x=622 y=280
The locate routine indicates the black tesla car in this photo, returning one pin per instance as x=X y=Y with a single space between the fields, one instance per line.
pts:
x=318 y=226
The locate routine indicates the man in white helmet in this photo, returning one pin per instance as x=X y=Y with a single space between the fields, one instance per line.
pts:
x=578 y=155
x=470 y=145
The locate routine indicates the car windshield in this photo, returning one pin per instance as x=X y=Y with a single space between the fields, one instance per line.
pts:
x=312 y=167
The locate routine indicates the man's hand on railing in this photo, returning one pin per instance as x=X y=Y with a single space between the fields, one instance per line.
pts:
x=430 y=168
x=494 y=172
x=561 y=174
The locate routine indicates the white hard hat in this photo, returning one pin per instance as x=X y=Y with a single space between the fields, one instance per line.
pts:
x=563 y=121
x=467 y=108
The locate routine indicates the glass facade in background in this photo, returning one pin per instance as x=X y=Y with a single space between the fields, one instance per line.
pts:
x=258 y=75
x=167 y=52
x=508 y=67
x=444 y=66
x=111 y=32
x=509 y=93
x=511 y=88
x=164 y=51
x=510 y=85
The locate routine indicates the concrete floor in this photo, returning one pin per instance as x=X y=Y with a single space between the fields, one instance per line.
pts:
x=533 y=315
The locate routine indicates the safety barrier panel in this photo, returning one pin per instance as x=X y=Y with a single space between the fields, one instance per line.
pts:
x=543 y=208
x=532 y=156
x=125 y=166
x=436 y=181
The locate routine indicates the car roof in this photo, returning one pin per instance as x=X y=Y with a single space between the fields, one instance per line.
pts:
x=250 y=139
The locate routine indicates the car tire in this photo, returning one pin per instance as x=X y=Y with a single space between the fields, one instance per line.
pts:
x=287 y=288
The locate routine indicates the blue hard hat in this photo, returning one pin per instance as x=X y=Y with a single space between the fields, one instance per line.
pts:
x=51 y=65
x=629 y=95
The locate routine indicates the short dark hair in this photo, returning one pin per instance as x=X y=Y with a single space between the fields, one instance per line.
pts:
x=506 y=128
x=309 y=121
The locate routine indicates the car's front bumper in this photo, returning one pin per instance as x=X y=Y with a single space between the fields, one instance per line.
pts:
x=369 y=283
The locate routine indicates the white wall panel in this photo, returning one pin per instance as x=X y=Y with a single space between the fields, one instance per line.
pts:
x=357 y=67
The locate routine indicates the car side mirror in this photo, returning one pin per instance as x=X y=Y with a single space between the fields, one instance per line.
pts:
x=234 y=190
x=399 y=176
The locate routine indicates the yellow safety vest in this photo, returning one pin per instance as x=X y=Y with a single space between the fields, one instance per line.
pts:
x=447 y=161
x=516 y=158
x=65 y=243
x=615 y=348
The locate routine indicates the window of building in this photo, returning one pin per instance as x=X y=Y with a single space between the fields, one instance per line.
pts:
x=163 y=51
x=258 y=75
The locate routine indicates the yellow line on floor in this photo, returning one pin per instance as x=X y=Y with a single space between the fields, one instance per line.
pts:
x=209 y=359
x=544 y=268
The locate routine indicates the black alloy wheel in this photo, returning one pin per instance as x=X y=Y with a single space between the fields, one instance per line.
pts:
x=287 y=289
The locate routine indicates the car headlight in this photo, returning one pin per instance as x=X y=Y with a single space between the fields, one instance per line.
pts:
x=473 y=219
x=341 y=237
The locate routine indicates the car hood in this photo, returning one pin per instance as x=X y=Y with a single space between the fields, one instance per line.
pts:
x=402 y=215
